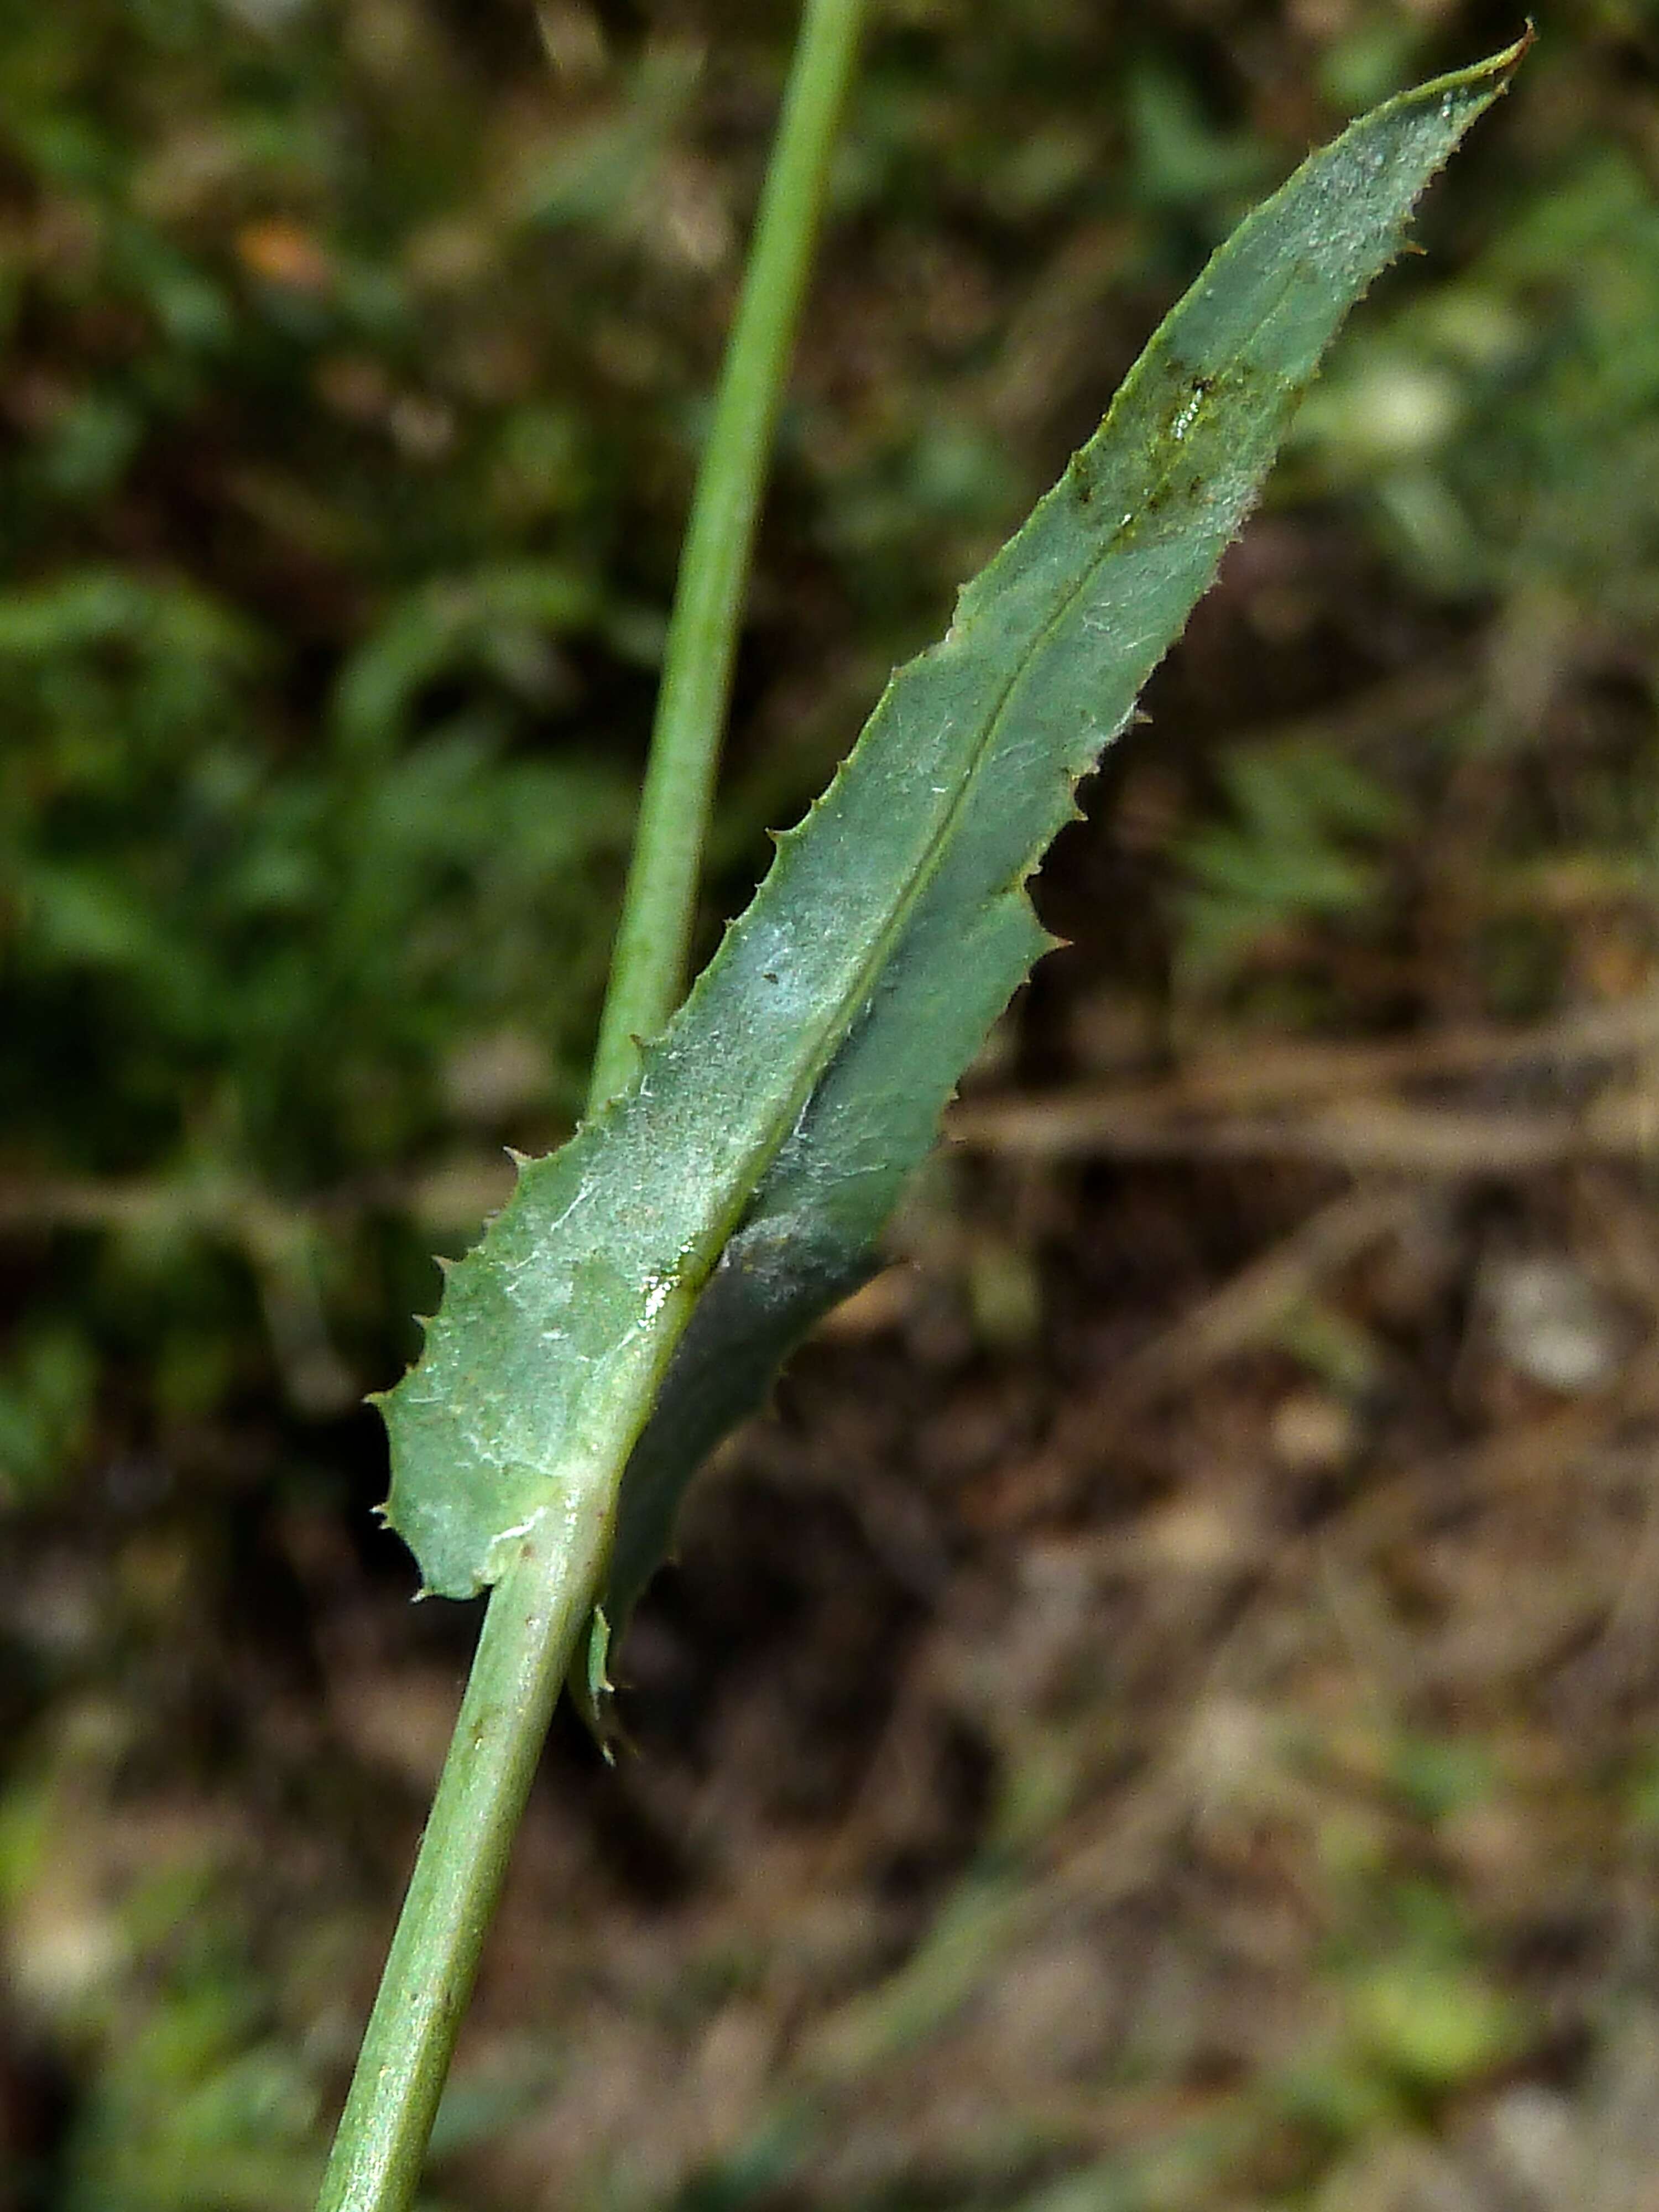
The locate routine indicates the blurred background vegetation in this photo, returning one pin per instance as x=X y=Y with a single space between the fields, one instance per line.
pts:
x=1163 y=1715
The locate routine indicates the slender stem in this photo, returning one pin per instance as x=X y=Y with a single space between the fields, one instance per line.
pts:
x=538 y=1608
x=648 y=970
x=536 y=1612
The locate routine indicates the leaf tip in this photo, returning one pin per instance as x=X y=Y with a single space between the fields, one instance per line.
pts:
x=1512 y=56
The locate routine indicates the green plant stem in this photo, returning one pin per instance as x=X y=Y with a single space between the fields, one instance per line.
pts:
x=540 y=1606
x=648 y=964
x=529 y=1632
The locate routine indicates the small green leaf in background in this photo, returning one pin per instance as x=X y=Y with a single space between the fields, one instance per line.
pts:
x=1295 y=849
x=1435 y=2025
x=737 y=1190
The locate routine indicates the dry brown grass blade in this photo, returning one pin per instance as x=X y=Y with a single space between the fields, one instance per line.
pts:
x=1321 y=1102
x=1248 y=1310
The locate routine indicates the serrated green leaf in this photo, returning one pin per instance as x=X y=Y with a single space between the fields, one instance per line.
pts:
x=673 y=1251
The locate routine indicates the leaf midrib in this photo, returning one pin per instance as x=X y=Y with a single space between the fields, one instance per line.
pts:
x=837 y=1029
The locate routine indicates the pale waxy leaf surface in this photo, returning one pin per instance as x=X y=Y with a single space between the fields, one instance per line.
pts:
x=669 y=1255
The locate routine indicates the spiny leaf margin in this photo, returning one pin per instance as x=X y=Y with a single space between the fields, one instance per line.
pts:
x=770 y=1129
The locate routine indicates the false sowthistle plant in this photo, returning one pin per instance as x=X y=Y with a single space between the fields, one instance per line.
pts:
x=633 y=1299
